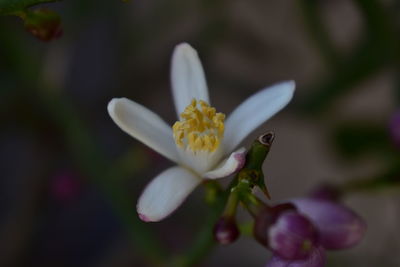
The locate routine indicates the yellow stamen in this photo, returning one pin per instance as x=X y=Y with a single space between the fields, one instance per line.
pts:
x=200 y=127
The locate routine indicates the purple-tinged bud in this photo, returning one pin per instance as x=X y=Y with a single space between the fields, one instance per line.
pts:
x=292 y=236
x=338 y=226
x=316 y=259
x=226 y=231
x=394 y=128
x=266 y=219
x=326 y=192
x=285 y=231
x=44 y=24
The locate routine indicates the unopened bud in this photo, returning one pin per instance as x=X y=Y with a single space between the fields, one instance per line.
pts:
x=293 y=236
x=266 y=219
x=44 y=24
x=286 y=232
x=226 y=231
x=338 y=226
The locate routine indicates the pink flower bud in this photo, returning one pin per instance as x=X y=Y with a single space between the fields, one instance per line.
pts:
x=226 y=231
x=266 y=219
x=338 y=226
x=285 y=231
x=292 y=236
x=44 y=24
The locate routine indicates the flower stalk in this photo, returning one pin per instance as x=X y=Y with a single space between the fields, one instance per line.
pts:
x=251 y=175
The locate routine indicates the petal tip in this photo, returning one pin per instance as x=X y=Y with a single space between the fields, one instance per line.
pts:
x=111 y=107
x=114 y=107
x=290 y=85
x=113 y=103
x=286 y=91
x=240 y=157
x=185 y=51
x=144 y=217
x=184 y=47
x=165 y=193
x=234 y=163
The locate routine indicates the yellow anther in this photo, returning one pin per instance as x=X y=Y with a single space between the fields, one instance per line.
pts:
x=200 y=127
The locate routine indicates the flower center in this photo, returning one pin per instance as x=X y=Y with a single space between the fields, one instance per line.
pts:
x=200 y=127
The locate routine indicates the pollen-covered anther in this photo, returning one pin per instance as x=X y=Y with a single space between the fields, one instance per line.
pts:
x=200 y=128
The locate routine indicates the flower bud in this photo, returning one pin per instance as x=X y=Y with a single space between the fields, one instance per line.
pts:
x=44 y=24
x=338 y=226
x=292 y=236
x=285 y=231
x=266 y=219
x=316 y=259
x=226 y=231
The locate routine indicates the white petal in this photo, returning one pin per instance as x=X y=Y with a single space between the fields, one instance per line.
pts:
x=144 y=125
x=254 y=111
x=165 y=193
x=231 y=165
x=187 y=77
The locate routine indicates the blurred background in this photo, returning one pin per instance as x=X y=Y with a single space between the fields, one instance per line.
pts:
x=70 y=178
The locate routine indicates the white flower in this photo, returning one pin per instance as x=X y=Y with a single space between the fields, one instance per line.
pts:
x=201 y=142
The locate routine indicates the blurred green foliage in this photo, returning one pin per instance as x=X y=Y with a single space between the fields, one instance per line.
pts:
x=356 y=139
x=9 y=7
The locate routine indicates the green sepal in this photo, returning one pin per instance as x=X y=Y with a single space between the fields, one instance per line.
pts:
x=252 y=170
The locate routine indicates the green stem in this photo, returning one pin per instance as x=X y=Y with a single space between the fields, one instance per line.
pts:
x=252 y=203
x=204 y=240
x=231 y=205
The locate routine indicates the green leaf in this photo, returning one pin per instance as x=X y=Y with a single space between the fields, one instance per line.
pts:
x=8 y=7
